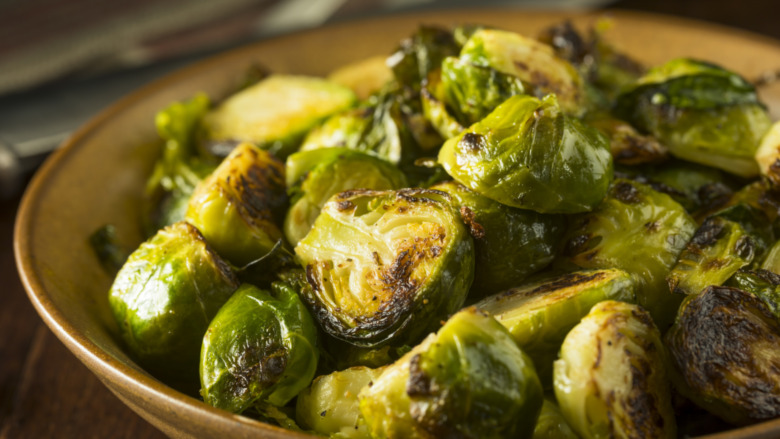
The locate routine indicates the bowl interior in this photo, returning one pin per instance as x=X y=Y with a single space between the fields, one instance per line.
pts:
x=97 y=178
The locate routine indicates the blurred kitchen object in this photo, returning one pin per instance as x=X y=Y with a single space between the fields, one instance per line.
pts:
x=62 y=61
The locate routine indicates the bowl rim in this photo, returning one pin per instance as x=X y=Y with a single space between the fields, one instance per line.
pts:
x=95 y=358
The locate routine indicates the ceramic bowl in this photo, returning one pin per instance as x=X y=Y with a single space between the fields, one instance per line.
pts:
x=97 y=178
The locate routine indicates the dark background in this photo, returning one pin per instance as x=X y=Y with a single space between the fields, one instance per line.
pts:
x=46 y=392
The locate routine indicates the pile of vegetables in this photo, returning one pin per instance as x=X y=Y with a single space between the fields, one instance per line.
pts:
x=500 y=237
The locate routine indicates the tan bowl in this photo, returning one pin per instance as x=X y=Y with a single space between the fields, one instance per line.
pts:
x=97 y=178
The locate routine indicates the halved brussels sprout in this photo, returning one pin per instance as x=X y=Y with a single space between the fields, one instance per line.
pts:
x=540 y=315
x=261 y=347
x=702 y=112
x=768 y=154
x=275 y=113
x=469 y=380
x=314 y=176
x=761 y=283
x=529 y=60
x=717 y=250
x=164 y=297
x=528 y=154
x=627 y=145
x=473 y=91
x=330 y=406
x=510 y=243
x=551 y=423
x=611 y=378
x=641 y=231
x=725 y=346
x=237 y=206
x=384 y=267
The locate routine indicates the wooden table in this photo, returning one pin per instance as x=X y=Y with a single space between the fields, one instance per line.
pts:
x=45 y=392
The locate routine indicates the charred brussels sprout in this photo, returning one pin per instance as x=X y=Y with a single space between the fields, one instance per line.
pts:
x=641 y=231
x=165 y=296
x=717 y=250
x=529 y=60
x=552 y=424
x=472 y=92
x=260 y=348
x=274 y=114
x=768 y=154
x=314 y=176
x=724 y=346
x=540 y=315
x=236 y=207
x=693 y=186
x=528 y=154
x=761 y=283
x=470 y=380
x=703 y=113
x=510 y=243
x=611 y=378
x=384 y=267
x=331 y=406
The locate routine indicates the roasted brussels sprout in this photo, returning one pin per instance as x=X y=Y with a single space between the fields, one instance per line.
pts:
x=540 y=315
x=703 y=113
x=510 y=243
x=331 y=406
x=641 y=231
x=528 y=154
x=532 y=62
x=551 y=423
x=761 y=283
x=772 y=259
x=376 y=127
x=470 y=380
x=238 y=206
x=724 y=346
x=421 y=54
x=600 y=63
x=768 y=154
x=611 y=378
x=693 y=186
x=717 y=250
x=435 y=111
x=261 y=347
x=472 y=91
x=628 y=146
x=384 y=267
x=314 y=176
x=275 y=113
x=165 y=296
x=179 y=169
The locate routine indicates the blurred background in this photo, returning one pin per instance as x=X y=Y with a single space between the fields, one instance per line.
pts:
x=62 y=61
